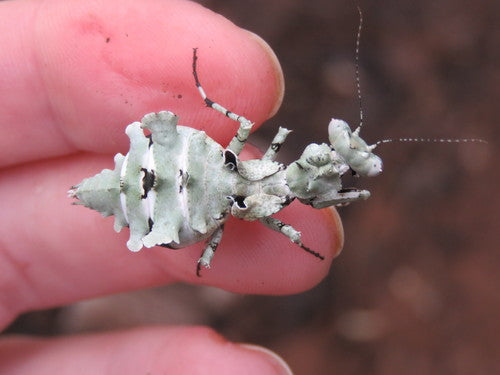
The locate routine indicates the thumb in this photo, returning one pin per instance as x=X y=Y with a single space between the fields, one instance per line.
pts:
x=153 y=350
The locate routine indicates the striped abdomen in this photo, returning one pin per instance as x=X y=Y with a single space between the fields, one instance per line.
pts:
x=170 y=189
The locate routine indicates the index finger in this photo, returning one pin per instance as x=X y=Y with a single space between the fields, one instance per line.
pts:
x=75 y=73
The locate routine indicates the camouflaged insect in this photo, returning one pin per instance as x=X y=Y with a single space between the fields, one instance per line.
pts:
x=178 y=186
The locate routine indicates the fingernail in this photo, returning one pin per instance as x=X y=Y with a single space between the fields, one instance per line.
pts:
x=339 y=235
x=281 y=366
x=278 y=73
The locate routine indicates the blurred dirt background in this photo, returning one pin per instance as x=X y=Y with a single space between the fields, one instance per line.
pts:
x=415 y=290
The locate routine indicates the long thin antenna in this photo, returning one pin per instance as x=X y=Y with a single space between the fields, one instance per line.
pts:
x=433 y=140
x=358 y=86
x=358 y=81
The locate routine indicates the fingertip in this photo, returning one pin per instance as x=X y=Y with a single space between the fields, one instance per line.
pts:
x=203 y=347
x=276 y=70
x=274 y=359
x=332 y=216
x=255 y=259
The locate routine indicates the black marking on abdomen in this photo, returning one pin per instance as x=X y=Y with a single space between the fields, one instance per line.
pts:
x=221 y=216
x=347 y=190
x=239 y=200
x=276 y=146
x=167 y=245
x=230 y=160
x=184 y=178
x=288 y=200
x=148 y=182
x=150 y=137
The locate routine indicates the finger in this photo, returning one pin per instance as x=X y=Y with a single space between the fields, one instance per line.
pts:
x=155 y=350
x=55 y=253
x=75 y=73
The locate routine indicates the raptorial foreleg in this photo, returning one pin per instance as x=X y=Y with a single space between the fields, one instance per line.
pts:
x=338 y=198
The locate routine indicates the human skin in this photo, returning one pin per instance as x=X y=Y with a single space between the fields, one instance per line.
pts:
x=73 y=74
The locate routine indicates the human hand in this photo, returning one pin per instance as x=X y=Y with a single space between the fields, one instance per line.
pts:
x=73 y=75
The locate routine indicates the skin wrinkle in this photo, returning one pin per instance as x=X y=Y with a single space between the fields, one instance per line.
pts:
x=37 y=45
x=44 y=70
x=21 y=284
x=23 y=73
x=27 y=281
x=92 y=24
x=11 y=288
